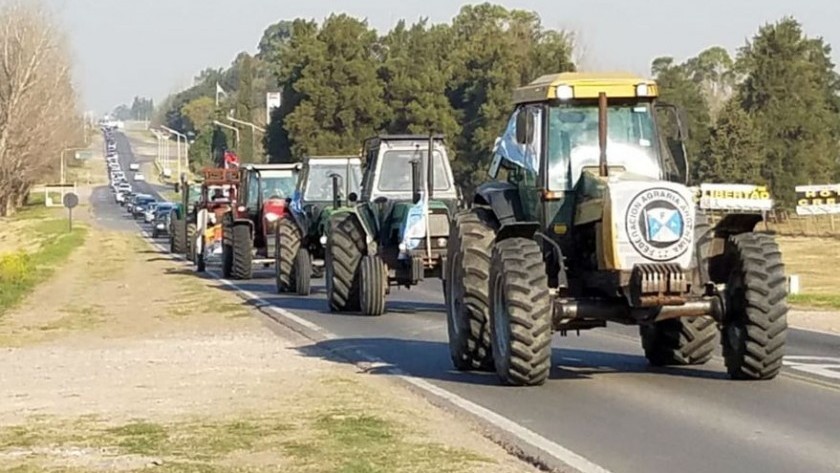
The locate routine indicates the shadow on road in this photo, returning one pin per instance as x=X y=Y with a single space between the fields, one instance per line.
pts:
x=430 y=360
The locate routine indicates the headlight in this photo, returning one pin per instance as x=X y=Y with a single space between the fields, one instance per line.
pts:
x=160 y=226
x=565 y=92
x=323 y=239
x=272 y=217
x=641 y=90
x=441 y=242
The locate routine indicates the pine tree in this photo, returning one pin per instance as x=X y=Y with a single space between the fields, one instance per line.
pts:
x=733 y=152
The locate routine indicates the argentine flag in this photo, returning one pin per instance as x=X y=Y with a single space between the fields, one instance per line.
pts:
x=414 y=227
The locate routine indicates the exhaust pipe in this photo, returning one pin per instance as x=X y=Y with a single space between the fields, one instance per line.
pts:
x=430 y=167
x=602 y=134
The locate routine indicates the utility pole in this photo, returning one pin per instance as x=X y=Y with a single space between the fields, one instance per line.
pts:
x=254 y=129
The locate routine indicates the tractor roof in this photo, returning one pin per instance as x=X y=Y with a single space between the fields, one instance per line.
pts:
x=272 y=167
x=585 y=85
x=380 y=138
x=329 y=160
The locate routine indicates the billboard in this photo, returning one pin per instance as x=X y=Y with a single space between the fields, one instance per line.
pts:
x=743 y=197
x=272 y=101
x=818 y=200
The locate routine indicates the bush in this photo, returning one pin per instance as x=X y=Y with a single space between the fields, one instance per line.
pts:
x=15 y=268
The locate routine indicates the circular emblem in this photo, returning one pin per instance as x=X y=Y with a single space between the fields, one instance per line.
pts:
x=659 y=224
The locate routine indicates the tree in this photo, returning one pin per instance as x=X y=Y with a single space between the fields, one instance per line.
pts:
x=199 y=112
x=122 y=112
x=733 y=152
x=142 y=108
x=791 y=92
x=677 y=87
x=38 y=118
x=340 y=96
x=713 y=70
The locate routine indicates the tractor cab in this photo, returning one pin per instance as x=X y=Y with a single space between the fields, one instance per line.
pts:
x=265 y=192
x=316 y=186
x=400 y=189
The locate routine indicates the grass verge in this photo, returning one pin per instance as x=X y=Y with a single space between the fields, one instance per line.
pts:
x=21 y=271
x=822 y=301
x=341 y=439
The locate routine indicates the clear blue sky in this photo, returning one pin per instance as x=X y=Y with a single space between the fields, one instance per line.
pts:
x=150 y=48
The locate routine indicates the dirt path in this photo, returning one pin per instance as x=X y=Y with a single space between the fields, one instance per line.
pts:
x=124 y=361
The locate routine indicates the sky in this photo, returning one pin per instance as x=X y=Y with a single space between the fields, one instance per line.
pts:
x=151 y=48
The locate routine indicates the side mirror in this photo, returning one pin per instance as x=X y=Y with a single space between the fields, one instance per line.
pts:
x=177 y=187
x=525 y=127
x=353 y=197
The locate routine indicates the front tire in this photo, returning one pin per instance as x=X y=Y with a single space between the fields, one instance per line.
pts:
x=179 y=238
x=345 y=248
x=372 y=285
x=521 y=313
x=242 y=253
x=190 y=244
x=755 y=326
x=302 y=272
x=466 y=290
x=287 y=244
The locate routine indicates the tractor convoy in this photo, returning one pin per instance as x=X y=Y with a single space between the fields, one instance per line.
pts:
x=586 y=218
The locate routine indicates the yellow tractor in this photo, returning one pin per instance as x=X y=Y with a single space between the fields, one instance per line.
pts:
x=588 y=220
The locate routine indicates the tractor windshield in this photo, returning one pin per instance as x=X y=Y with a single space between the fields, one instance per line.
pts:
x=277 y=184
x=395 y=170
x=319 y=184
x=632 y=141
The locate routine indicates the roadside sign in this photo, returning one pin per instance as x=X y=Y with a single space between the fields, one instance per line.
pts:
x=747 y=197
x=272 y=100
x=70 y=200
x=84 y=155
x=818 y=200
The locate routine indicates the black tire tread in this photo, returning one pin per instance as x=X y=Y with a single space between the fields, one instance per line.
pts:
x=471 y=234
x=288 y=243
x=754 y=338
x=242 y=266
x=520 y=263
x=345 y=249
x=179 y=238
x=679 y=342
x=372 y=285
x=302 y=272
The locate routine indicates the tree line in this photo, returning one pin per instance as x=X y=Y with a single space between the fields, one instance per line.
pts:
x=770 y=115
x=38 y=115
x=141 y=109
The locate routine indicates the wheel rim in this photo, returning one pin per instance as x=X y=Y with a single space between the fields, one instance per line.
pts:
x=456 y=294
x=501 y=330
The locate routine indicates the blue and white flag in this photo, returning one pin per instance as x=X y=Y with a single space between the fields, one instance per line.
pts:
x=296 y=204
x=664 y=225
x=414 y=226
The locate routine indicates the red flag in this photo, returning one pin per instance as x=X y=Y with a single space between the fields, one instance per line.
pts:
x=231 y=160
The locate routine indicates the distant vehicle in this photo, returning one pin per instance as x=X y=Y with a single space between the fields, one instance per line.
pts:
x=141 y=203
x=134 y=166
x=160 y=224
x=139 y=177
x=167 y=173
x=124 y=195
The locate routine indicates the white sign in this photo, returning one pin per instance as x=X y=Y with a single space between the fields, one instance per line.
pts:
x=735 y=197
x=818 y=200
x=272 y=101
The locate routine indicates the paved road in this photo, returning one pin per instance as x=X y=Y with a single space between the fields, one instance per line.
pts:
x=603 y=402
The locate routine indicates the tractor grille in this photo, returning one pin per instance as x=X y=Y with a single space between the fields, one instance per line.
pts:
x=439 y=225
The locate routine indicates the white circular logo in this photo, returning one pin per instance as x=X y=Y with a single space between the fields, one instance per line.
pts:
x=659 y=224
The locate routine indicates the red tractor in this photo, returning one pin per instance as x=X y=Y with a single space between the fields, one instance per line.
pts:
x=262 y=197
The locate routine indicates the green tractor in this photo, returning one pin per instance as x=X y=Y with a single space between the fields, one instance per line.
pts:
x=397 y=231
x=182 y=219
x=323 y=187
x=588 y=220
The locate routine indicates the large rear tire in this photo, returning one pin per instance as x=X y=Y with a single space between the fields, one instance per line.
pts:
x=345 y=248
x=190 y=243
x=466 y=289
x=178 y=241
x=755 y=325
x=302 y=272
x=521 y=313
x=372 y=285
x=242 y=266
x=287 y=244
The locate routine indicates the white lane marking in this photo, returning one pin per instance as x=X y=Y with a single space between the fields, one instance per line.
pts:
x=813 y=330
x=825 y=366
x=523 y=434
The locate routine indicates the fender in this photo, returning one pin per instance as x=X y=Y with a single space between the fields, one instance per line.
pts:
x=734 y=224
x=503 y=199
x=370 y=244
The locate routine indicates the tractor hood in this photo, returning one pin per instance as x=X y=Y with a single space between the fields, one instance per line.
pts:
x=273 y=209
x=643 y=220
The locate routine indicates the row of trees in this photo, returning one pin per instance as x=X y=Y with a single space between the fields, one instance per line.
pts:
x=38 y=116
x=342 y=82
x=141 y=109
x=770 y=115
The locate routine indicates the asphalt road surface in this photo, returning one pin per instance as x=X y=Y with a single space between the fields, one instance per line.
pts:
x=603 y=402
